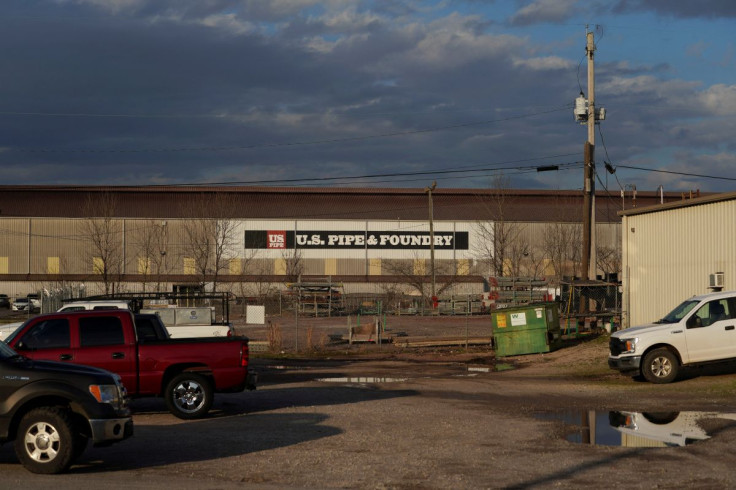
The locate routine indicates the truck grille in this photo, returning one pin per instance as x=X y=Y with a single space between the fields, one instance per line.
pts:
x=616 y=346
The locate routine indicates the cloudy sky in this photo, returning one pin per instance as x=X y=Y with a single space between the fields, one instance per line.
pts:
x=366 y=92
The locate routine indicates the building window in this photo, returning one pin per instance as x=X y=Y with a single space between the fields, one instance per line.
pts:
x=144 y=265
x=189 y=267
x=3 y=265
x=236 y=267
x=463 y=267
x=374 y=267
x=52 y=265
x=331 y=267
x=98 y=265
x=420 y=268
x=279 y=267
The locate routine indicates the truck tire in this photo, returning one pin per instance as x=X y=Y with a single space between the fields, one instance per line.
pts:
x=45 y=442
x=660 y=366
x=189 y=396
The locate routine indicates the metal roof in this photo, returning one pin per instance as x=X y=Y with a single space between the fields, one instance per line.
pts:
x=311 y=203
x=682 y=203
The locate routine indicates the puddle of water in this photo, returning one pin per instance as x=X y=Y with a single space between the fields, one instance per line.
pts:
x=361 y=380
x=480 y=369
x=635 y=429
x=491 y=369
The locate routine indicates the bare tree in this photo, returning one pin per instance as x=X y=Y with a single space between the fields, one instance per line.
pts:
x=294 y=264
x=501 y=242
x=533 y=263
x=562 y=246
x=150 y=240
x=104 y=233
x=418 y=279
x=209 y=236
x=608 y=259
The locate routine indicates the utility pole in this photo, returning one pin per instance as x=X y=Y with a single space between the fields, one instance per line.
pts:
x=589 y=241
x=429 y=190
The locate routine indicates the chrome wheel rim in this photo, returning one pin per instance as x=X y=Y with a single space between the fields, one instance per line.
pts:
x=189 y=396
x=661 y=367
x=42 y=442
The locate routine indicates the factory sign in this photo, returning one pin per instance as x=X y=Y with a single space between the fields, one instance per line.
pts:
x=418 y=240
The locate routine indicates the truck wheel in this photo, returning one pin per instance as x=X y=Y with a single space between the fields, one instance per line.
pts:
x=660 y=366
x=45 y=442
x=189 y=396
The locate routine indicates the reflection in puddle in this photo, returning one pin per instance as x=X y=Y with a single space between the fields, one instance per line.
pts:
x=489 y=369
x=637 y=429
x=361 y=380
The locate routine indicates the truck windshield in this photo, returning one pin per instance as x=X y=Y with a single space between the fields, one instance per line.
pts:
x=678 y=313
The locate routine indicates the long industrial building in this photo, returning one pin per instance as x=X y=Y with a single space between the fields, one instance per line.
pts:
x=248 y=240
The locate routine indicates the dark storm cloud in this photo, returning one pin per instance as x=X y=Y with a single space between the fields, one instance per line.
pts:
x=249 y=91
x=317 y=78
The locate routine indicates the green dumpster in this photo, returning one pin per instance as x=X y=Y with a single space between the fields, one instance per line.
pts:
x=527 y=329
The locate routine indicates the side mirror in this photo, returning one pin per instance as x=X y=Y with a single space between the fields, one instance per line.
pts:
x=694 y=322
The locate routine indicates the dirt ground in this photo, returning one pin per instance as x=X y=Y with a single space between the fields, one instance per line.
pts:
x=390 y=418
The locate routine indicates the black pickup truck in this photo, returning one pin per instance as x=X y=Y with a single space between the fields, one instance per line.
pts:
x=51 y=410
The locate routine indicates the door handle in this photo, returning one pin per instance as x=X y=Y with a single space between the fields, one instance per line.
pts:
x=730 y=327
x=118 y=355
x=65 y=357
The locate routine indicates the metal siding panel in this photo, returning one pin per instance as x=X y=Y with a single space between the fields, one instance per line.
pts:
x=671 y=253
x=14 y=244
x=351 y=267
x=63 y=238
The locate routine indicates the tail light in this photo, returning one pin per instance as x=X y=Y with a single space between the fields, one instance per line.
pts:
x=244 y=355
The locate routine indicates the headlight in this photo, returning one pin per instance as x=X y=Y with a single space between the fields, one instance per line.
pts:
x=629 y=345
x=106 y=394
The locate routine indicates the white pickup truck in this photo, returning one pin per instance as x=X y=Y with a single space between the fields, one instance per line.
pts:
x=700 y=330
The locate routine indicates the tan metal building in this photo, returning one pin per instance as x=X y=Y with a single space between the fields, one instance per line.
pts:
x=366 y=238
x=676 y=250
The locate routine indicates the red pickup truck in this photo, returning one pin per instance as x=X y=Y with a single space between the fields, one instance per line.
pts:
x=186 y=372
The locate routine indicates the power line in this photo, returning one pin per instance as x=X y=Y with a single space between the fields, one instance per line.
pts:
x=603 y=142
x=369 y=176
x=298 y=143
x=687 y=174
x=519 y=171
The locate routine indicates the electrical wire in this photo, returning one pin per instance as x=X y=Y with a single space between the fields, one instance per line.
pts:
x=687 y=174
x=605 y=149
x=369 y=176
x=291 y=144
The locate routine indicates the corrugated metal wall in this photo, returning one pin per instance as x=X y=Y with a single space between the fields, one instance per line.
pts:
x=669 y=254
x=62 y=246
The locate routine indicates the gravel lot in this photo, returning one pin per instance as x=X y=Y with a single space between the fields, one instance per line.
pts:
x=408 y=419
